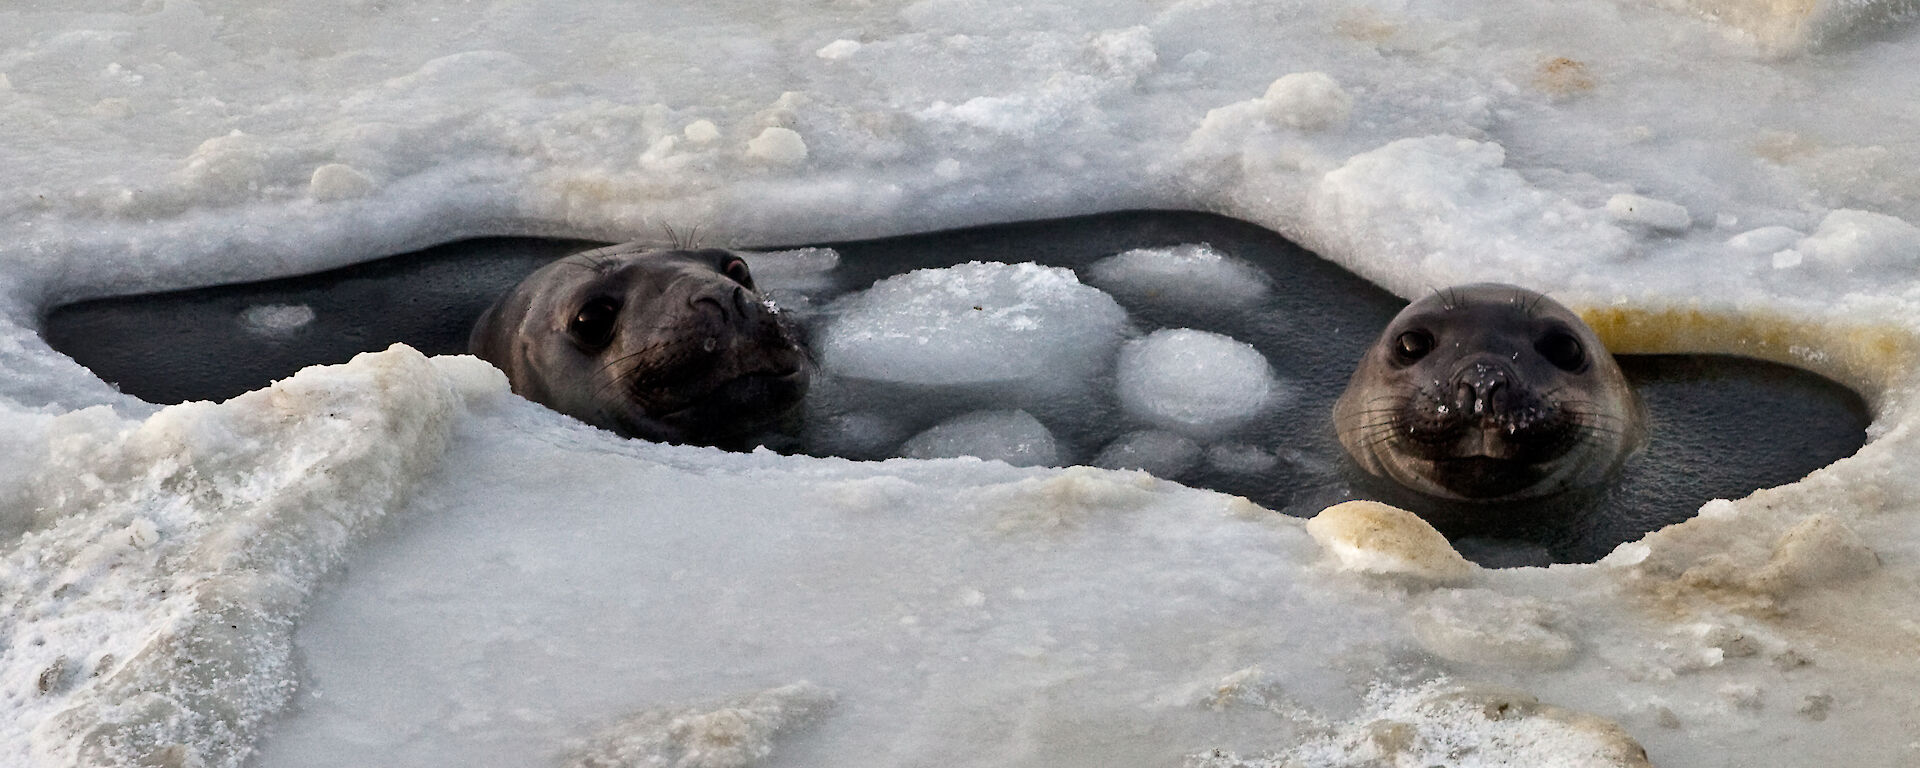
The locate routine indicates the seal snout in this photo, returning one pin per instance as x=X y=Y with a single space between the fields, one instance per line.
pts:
x=1482 y=388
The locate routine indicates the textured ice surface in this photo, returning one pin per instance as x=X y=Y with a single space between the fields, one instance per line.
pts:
x=541 y=582
x=1197 y=383
x=1015 y=437
x=1020 y=327
x=1194 y=276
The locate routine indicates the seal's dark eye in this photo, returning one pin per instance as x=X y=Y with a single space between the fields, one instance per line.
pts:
x=593 y=324
x=736 y=269
x=1561 y=349
x=1411 y=346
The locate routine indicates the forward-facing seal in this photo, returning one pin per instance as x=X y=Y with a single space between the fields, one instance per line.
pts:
x=1489 y=392
x=669 y=345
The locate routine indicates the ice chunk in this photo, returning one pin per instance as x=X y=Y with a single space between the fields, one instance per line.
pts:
x=1646 y=211
x=1308 y=100
x=1162 y=454
x=1765 y=240
x=1023 y=326
x=335 y=181
x=276 y=319
x=701 y=131
x=1194 y=382
x=1848 y=238
x=777 y=146
x=838 y=49
x=1193 y=275
x=858 y=435
x=1241 y=459
x=1370 y=537
x=1015 y=437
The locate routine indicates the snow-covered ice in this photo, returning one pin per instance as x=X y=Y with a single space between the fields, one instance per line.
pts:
x=1194 y=382
x=438 y=574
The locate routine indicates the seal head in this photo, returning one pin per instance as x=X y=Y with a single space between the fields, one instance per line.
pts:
x=1489 y=392
x=668 y=345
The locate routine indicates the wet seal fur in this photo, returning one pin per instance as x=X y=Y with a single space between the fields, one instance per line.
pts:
x=666 y=345
x=1489 y=392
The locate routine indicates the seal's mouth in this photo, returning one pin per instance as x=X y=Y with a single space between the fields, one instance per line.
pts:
x=766 y=393
x=1485 y=477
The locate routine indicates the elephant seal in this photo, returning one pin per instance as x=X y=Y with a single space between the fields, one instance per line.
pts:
x=666 y=345
x=1489 y=392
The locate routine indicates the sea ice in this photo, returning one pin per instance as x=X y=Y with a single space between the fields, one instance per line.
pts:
x=1161 y=454
x=1015 y=437
x=1193 y=276
x=1193 y=382
x=1016 y=327
x=1848 y=239
x=969 y=613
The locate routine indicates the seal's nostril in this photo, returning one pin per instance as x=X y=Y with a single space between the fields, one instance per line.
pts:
x=743 y=303
x=712 y=305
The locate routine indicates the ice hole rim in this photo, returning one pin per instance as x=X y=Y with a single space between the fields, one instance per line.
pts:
x=1867 y=360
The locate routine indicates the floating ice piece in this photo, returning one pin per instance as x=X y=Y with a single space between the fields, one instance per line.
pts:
x=1194 y=382
x=1370 y=537
x=1194 y=275
x=1241 y=459
x=860 y=434
x=1015 y=437
x=1848 y=238
x=1023 y=326
x=276 y=319
x=1646 y=211
x=1309 y=101
x=1161 y=454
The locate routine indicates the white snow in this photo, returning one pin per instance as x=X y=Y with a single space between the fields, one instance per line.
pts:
x=439 y=574
x=1197 y=383
x=1015 y=437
